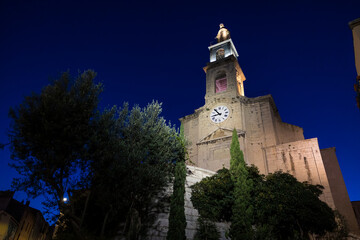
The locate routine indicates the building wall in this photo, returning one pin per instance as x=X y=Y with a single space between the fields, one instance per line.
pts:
x=20 y=221
x=40 y=230
x=25 y=226
x=255 y=118
x=355 y=27
x=356 y=207
x=338 y=188
x=267 y=142
x=8 y=226
x=303 y=160
x=161 y=225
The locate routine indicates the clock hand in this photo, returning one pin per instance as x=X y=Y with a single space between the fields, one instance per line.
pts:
x=217 y=112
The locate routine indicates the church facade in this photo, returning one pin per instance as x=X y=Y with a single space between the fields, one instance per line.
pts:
x=267 y=141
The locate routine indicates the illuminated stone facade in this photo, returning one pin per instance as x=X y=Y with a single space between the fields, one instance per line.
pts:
x=20 y=221
x=265 y=139
x=355 y=28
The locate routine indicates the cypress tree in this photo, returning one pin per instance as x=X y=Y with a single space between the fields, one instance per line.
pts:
x=242 y=209
x=177 y=220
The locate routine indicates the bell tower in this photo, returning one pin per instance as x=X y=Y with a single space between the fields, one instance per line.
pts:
x=266 y=141
x=224 y=77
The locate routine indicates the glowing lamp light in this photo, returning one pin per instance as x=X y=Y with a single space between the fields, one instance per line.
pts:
x=65 y=199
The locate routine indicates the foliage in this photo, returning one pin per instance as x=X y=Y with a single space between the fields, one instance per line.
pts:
x=49 y=136
x=292 y=209
x=242 y=209
x=341 y=231
x=206 y=230
x=177 y=220
x=64 y=231
x=213 y=196
x=135 y=168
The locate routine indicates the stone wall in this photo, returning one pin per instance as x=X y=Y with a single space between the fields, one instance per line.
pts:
x=195 y=175
x=338 y=188
x=303 y=160
x=356 y=207
x=256 y=118
x=161 y=225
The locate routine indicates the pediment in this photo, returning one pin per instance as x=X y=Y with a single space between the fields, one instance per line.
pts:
x=219 y=134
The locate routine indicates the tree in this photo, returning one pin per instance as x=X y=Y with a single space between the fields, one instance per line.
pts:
x=242 y=209
x=213 y=196
x=206 y=230
x=289 y=209
x=341 y=231
x=177 y=220
x=49 y=136
x=134 y=170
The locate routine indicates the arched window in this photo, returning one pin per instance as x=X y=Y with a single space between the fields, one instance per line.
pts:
x=220 y=54
x=220 y=82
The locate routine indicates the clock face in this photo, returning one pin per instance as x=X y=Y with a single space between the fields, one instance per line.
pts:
x=219 y=114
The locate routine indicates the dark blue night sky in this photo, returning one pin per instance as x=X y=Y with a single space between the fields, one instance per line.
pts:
x=299 y=51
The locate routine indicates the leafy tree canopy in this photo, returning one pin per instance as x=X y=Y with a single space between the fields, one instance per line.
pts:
x=292 y=209
x=284 y=207
x=213 y=196
x=206 y=230
x=49 y=136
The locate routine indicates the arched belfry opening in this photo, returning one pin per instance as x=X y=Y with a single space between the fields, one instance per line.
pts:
x=221 y=82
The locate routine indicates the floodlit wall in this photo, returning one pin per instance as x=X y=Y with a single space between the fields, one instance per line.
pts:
x=338 y=188
x=302 y=159
x=256 y=121
x=161 y=225
x=355 y=27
